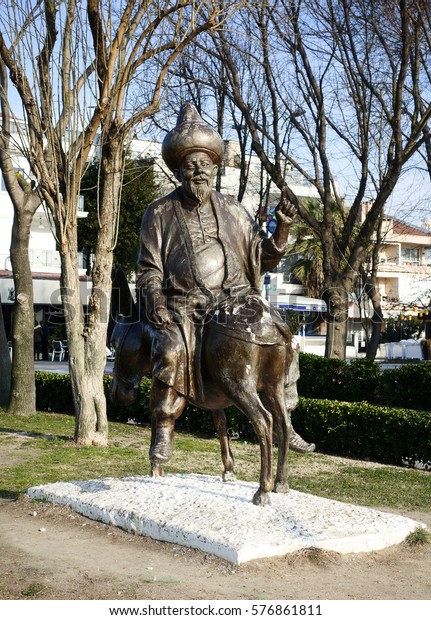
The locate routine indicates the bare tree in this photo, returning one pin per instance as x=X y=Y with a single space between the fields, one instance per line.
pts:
x=75 y=95
x=336 y=94
x=25 y=200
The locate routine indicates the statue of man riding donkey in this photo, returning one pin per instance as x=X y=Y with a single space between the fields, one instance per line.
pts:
x=200 y=324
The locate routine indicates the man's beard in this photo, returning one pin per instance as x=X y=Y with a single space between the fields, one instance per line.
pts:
x=200 y=191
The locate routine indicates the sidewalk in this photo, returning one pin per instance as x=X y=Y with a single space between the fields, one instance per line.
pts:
x=63 y=367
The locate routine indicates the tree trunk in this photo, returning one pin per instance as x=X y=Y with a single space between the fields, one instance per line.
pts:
x=337 y=301
x=87 y=342
x=5 y=364
x=23 y=391
x=87 y=356
x=374 y=342
x=377 y=320
x=91 y=422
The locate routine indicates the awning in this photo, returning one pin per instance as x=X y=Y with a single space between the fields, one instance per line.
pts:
x=46 y=290
x=298 y=303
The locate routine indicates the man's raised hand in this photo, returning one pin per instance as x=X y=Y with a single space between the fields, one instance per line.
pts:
x=285 y=211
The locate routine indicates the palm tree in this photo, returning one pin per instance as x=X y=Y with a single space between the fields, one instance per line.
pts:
x=307 y=247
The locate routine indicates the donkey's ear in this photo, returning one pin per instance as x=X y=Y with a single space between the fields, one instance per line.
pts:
x=122 y=301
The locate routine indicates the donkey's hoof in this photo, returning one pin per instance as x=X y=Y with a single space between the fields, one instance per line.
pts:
x=158 y=457
x=161 y=448
x=229 y=476
x=261 y=499
x=157 y=470
x=161 y=452
x=281 y=487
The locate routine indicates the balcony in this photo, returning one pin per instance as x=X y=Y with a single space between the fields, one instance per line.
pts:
x=50 y=259
x=402 y=264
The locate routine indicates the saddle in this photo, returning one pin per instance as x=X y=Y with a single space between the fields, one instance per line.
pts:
x=251 y=319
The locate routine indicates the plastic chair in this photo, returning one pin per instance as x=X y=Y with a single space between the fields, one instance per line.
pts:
x=57 y=351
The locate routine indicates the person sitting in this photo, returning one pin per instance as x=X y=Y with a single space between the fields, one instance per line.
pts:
x=198 y=248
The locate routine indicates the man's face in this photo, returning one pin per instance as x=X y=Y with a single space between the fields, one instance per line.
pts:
x=196 y=174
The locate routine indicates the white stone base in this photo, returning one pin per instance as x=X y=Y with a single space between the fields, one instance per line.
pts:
x=219 y=518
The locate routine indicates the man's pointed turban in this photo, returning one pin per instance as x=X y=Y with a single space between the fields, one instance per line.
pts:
x=191 y=134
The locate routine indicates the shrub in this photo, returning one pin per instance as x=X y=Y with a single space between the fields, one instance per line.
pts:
x=320 y=377
x=53 y=392
x=406 y=386
x=361 y=382
x=333 y=379
x=361 y=430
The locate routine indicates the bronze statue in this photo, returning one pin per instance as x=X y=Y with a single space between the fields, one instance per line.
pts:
x=205 y=332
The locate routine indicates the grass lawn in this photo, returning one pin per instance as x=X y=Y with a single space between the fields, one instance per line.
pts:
x=39 y=449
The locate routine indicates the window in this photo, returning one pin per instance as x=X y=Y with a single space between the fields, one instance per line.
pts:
x=410 y=256
x=427 y=256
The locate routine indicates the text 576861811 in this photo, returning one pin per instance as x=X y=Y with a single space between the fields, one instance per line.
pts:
x=286 y=610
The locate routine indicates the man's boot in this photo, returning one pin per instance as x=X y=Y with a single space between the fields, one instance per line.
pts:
x=297 y=444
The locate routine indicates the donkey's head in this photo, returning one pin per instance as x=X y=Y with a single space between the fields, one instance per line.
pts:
x=132 y=359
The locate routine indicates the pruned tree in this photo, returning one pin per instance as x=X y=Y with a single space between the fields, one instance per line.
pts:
x=343 y=89
x=25 y=199
x=74 y=66
x=368 y=293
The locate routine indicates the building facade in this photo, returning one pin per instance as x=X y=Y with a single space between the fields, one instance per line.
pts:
x=43 y=253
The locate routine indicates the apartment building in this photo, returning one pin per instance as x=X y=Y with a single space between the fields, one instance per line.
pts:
x=43 y=253
x=403 y=280
x=404 y=271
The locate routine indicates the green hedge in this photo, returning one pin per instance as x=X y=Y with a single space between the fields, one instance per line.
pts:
x=361 y=430
x=406 y=386
x=333 y=379
x=361 y=380
x=323 y=378
x=54 y=393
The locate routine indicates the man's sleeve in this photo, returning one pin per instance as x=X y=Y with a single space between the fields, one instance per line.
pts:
x=149 y=276
x=271 y=254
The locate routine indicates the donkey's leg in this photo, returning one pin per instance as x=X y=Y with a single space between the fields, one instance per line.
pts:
x=166 y=406
x=220 y=424
x=244 y=395
x=262 y=424
x=274 y=401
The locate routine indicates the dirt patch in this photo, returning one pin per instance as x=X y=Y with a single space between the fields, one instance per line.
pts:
x=50 y=552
